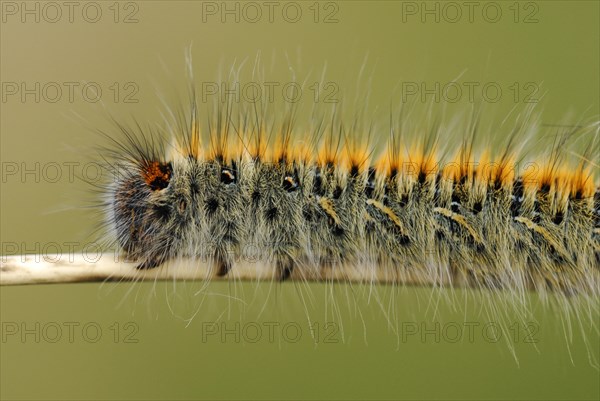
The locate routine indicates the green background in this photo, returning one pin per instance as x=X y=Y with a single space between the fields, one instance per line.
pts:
x=359 y=351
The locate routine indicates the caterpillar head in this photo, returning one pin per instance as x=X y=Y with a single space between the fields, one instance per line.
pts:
x=147 y=212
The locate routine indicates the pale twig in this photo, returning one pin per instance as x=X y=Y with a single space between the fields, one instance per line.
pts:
x=72 y=268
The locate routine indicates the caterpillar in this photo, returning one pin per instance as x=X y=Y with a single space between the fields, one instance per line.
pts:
x=321 y=203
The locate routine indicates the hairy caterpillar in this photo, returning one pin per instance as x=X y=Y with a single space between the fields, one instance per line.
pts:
x=321 y=204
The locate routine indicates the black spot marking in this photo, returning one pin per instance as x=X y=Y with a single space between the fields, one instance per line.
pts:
x=212 y=205
x=558 y=217
x=228 y=176
x=271 y=213
x=162 y=212
x=337 y=230
x=479 y=247
x=290 y=183
x=194 y=186
x=403 y=239
x=497 y=184
x=337 y=192
x=477 y=207
x=318 y=184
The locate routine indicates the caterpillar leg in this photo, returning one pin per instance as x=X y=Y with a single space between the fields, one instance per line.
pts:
x=223 y=267
x=285 y=267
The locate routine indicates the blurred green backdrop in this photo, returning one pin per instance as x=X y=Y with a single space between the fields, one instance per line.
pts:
x=361 y=345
